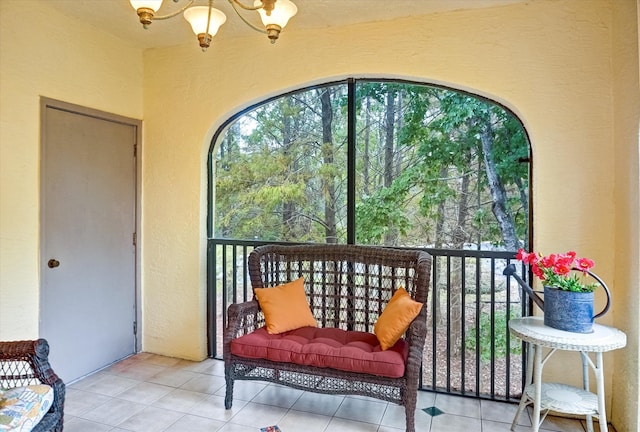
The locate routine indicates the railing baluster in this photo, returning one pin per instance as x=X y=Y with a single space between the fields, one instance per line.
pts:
x=448 y=385
x=463 y=333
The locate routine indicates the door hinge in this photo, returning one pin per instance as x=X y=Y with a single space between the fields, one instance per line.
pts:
x=134 y=239
x=135 y=327
x=135 y=150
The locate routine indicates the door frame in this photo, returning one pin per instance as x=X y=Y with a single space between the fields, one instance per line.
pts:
x=45 y=103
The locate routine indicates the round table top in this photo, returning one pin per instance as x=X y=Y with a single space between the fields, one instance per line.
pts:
x=533 y=330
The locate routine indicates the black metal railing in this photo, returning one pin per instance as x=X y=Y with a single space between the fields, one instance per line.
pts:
x=469 y=349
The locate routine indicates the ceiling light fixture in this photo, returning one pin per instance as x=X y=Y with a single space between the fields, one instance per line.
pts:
x=206 y=20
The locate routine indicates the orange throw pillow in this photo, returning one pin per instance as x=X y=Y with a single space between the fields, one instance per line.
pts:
x=395 y=318
x=285 y=307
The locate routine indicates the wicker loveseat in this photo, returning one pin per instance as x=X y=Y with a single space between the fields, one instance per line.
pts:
x=347 y=288
x=25 y=363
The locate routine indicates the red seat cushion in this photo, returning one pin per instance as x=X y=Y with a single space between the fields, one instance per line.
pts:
x=351 y=351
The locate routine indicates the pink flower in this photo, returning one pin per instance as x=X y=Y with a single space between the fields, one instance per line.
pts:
x=555 y=269
x=549 y=261
x=537 y=271
x=561 y=268
x=584 y=264
x=566 y=259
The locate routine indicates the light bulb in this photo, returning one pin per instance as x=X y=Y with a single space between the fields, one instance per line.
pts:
x=282 y=11
x=154 y=5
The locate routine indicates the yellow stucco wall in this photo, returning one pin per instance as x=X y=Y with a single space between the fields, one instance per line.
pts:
x=43 y=53
x=553 y=62
x=549 y=61
x=626 y=110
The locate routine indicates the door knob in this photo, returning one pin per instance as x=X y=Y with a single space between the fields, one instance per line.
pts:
x=53 y=263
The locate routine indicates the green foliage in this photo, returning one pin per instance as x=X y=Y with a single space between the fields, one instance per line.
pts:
x=277 y=178
x=498 y=337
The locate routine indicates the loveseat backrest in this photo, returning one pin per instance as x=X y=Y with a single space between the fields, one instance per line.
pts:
x=347 y=286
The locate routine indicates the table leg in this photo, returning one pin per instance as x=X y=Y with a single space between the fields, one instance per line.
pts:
x=602 y=413
x=585 y=385
x=537 y=382
x=524 y=400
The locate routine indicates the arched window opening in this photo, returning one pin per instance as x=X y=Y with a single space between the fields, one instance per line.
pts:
x=428 y=167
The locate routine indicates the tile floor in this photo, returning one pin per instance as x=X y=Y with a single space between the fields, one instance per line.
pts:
x=151 y=393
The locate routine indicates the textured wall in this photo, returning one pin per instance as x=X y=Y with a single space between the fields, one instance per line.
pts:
x=549 y=61
x=561 y=65
x=626 y=110
x=43 y=53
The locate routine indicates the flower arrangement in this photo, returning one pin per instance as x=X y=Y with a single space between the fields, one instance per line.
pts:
x=555 y=270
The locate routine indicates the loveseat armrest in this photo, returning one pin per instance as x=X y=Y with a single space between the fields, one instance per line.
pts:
x=242 y=319
x=416 y=336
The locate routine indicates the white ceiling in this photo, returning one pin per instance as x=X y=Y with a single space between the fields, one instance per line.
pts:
x=118 y=18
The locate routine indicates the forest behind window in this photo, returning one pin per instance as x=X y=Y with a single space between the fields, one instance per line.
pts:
x=417 y=165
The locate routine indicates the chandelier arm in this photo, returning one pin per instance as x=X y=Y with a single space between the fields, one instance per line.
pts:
x=209 y=17
x=171 y=15
x=245 y=7
x=234 y=3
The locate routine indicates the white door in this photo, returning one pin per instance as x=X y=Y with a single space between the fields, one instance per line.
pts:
x=88 y=253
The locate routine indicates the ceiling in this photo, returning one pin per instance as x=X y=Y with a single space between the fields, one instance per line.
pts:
x=118 y=18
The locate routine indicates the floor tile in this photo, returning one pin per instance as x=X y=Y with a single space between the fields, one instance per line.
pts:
x=258 y=415
x=560 y=424
x=162 y=361
x=179 y=400
x=303 y=421
x=213 y=407
x=244 y=390
x=204 y=384
x=395 y=417
x=151 y=419
x=389 y=429
x=78 y=402
x=149 y=393
x=207 y=366
x=232 y=427
x=488 y=425
x=454 y=423
x=82 y=425
x=361 y=410
x=113 y=412
x=145 y=393
x=340 y=424
x=192 y=423
x=459 y=406
x=140 y=371
x=502 y=412
x=109 y=385
x=318 y=403
x=278 y=396
x=172 y=377
x=86 y=382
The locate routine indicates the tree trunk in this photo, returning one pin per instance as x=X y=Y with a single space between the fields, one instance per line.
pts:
x=328 y=185
x=288 y=207
x=524 y=200
x=498 y=193
x=459 y=238
x=391 y=235
x=439 y=243
x=366 y=158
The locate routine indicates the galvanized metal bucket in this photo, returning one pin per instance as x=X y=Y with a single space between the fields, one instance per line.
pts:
x=567 y=310
x=564 y=310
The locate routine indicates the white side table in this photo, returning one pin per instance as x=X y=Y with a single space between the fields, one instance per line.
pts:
x=563 y=398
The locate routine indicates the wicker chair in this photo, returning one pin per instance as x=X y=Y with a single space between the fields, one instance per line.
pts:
x=347 y=287
x=26 y=363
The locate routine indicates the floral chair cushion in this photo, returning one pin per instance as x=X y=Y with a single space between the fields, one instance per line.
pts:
x=21 y=408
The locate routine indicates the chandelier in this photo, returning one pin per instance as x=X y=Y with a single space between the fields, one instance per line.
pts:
x=206 y=20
